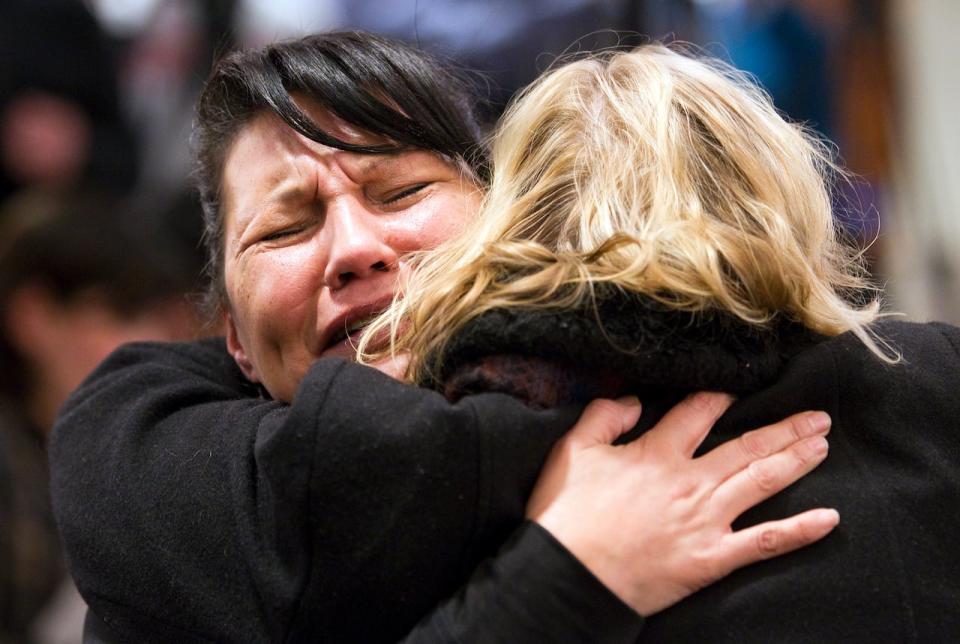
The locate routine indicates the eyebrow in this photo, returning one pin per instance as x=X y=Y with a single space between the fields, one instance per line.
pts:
x=377 y=161
x=293 y=190
x=290 y=190
x=285 y=194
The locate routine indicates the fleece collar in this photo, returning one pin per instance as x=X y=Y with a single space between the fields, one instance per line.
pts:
x=626 y=342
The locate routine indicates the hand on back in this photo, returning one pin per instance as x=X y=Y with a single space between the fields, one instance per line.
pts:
x=652 y=522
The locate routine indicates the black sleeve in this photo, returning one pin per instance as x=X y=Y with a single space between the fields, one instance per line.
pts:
x=190 y=510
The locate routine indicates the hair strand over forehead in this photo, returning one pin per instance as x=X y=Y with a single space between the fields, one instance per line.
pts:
x=390 y=90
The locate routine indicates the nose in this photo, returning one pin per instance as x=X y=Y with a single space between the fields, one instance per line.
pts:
x=358 y=245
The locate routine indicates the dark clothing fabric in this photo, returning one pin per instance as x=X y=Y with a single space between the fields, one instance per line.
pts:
x=170 y=498
x=637 y=342
x=891 y=570
x=533 y=591
x=192 y=511
x=625 y=344
x=31 y=564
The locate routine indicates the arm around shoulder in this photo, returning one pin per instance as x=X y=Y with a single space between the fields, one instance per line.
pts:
x=184 y=499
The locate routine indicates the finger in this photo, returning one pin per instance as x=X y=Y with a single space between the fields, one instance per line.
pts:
x=684 y=427
x=736 y=454
x=774 y=538
x=603 y=421
x=763 y=478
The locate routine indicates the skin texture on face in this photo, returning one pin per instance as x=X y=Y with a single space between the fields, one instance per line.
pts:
x=315 y=239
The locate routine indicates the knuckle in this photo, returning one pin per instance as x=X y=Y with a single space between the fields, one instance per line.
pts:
x=705 y=401
x=604 y=408
x=799 y=427
x=763 y=476
x=688 y=488
x=804 y=533
x=707 y=566
x=809 y=451
x=768 y=542
x=802 y=453
x=753 y=445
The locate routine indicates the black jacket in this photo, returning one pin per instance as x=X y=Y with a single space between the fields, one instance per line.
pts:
x=891 y=570
x=263 y=544
x=194 y=511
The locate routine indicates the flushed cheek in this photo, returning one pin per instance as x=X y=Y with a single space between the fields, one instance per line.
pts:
x=429 y=227
x=275 y=303
x=286 y=298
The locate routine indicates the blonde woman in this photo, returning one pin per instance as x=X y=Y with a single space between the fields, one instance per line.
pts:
x=653 y=226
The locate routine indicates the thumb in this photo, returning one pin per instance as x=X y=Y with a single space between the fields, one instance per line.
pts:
x=604 y=420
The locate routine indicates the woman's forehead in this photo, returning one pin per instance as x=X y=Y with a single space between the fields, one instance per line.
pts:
x=270 y=163
x=267 y=150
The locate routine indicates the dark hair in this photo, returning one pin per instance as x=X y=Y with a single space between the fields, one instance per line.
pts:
x=384 y=87
x=73 y=244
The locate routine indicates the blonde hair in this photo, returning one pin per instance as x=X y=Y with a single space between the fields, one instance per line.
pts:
x=654 y=172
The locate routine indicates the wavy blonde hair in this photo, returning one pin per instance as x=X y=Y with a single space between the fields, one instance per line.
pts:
x=655 y=172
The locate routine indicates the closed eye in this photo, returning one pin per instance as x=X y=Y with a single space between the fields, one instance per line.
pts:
x=408 y=192
x=281 y=234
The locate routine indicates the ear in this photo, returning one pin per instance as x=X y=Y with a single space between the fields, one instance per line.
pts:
x=235 y=347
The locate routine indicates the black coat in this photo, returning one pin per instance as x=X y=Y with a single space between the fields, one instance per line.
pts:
x=194 y=511
x=891 y=570
x=175 y=505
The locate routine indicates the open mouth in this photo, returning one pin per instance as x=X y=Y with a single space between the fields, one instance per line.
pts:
x=352 y=331
x=344 y=331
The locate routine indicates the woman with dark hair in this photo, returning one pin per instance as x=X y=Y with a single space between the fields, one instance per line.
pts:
x=263 y=490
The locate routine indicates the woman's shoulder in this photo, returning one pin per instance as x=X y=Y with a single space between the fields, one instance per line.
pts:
x=941 y=337
x=918 y=387
x=928 y=346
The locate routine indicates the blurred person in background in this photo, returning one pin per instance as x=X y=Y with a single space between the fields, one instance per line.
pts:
x=60 y=118
x=77 y=279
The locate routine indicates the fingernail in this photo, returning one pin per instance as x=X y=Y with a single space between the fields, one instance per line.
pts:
x=818 y=445
x=818 y=422
x=827 y=518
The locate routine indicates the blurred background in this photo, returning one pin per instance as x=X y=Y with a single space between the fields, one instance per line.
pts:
x=99 y=230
